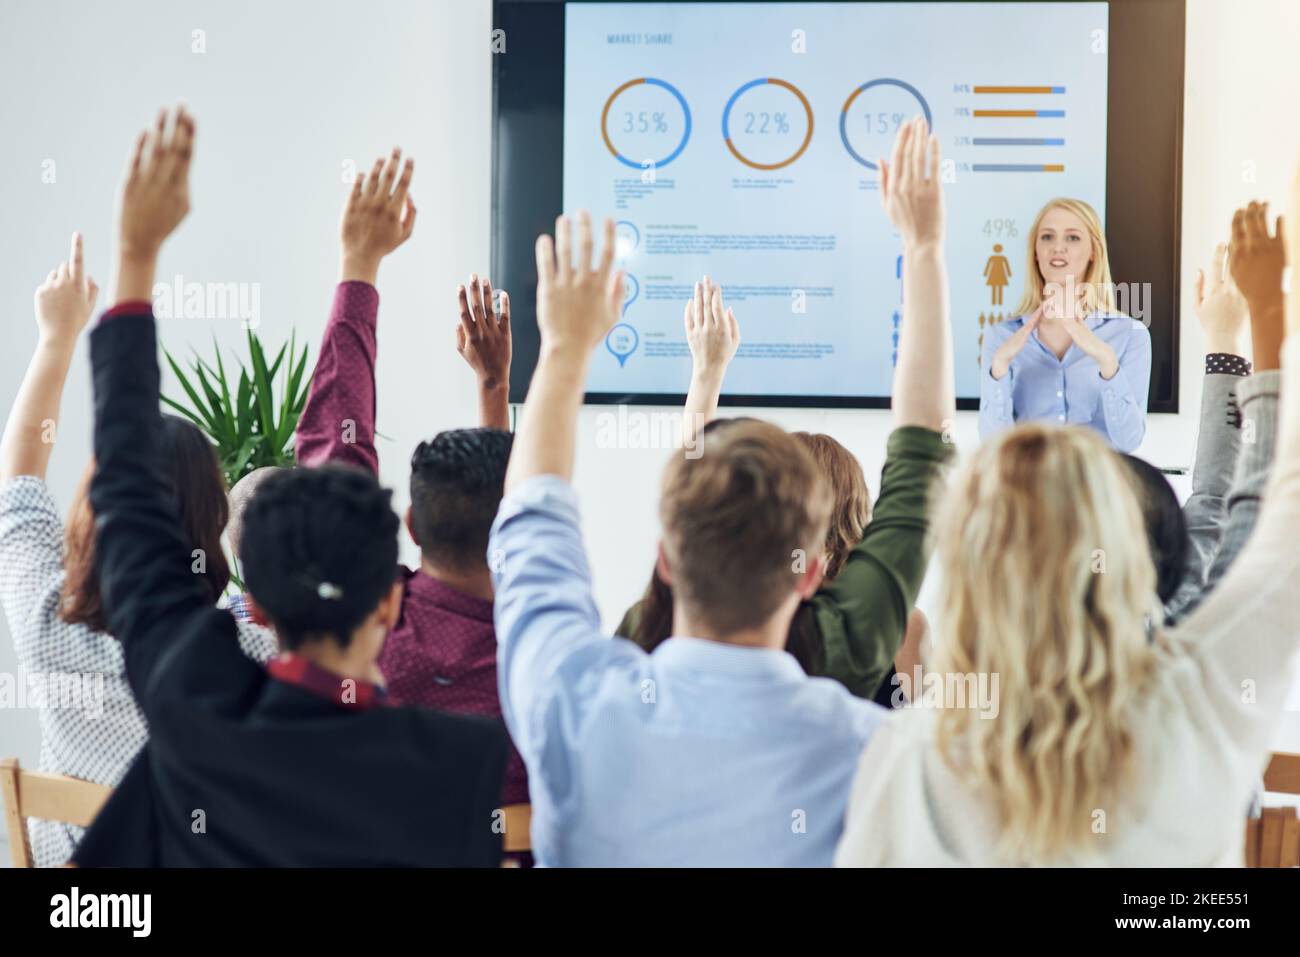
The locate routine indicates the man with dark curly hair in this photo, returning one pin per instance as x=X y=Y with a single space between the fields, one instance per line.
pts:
x=442 y=652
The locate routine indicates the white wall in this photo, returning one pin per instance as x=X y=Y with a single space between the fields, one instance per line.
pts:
x=287 y=92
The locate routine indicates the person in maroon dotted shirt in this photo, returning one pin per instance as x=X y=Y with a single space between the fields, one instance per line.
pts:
x=442 y=652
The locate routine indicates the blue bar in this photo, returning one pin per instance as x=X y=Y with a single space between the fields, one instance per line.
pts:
x=1015 y=141
x=1009 y=168
x=1051 y=113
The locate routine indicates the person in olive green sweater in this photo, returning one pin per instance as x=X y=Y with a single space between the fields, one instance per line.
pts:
x=853 y=627
x=819 y=634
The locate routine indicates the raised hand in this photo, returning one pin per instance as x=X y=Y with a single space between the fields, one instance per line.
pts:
x=63 y=306
x=1256 y=261
x=153 y=199
x=576 y=304
x=379 y=216
x=155 y=195
x=1220 y=306
x=1006 y=352
x=1257 y=258
x=923 y=390
x=483 y=341
x=712 y=332
x=483 y=336
x=66 y=299
x=713 y=335
x=909 y=185
x=576 y=307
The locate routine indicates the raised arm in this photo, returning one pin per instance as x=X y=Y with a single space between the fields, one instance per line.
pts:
x=713 y=335
x=483 y=341
x=1223 y=314
x=145 y=565
x=31 y=531
x=64 y=303
x=1245 y=634
x=924 y=388
x=1257 y=261
x=862 y=615
x=576 y=307
x=544 y=610
x=338 y=421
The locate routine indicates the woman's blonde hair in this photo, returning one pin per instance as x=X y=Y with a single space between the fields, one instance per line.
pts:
x=1098 y=289
x=1048 y=585
x=848 y=485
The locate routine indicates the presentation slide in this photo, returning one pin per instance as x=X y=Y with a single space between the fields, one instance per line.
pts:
x=741 y=141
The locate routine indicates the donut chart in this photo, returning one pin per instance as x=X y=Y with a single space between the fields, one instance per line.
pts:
x=661 y=125
x=726 y=123
x=686 y=127
x=871 y=84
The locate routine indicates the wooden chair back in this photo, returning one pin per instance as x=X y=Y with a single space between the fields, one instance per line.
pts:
x=49 y=797
x=1273 y=839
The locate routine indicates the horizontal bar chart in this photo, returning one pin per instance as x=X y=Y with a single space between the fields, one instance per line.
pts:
x=1017 y=167
x=1018 y=113
x=1018 y=89
x=1017 y=141
x=1018 y=109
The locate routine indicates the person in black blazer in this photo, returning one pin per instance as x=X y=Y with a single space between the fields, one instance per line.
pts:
x=300 y=763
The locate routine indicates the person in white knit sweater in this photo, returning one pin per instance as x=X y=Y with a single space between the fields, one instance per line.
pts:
x=1110 y=740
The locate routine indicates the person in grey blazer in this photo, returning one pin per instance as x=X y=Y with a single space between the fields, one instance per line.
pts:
x=1238 y=429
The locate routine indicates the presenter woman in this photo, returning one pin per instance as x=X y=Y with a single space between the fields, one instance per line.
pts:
x=1069 y=356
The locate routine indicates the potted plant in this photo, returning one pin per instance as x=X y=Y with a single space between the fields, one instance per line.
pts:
x=250 y=424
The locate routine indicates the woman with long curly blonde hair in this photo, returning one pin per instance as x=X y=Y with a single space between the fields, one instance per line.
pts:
x=1060 y=611
x=1106 y=739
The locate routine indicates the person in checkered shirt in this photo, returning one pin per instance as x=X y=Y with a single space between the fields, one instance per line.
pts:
x=49 y=586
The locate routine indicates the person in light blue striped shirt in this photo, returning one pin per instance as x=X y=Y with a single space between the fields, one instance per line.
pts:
x=716 y=749
x=1069 y=356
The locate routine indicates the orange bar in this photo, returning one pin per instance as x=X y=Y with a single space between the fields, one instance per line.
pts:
x=1013 y=89
x=1004 y=113
x=1050 y=168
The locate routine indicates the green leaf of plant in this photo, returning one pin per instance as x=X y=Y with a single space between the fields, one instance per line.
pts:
x=223 y=432
x=226 y=404
x=200 y=409
x=254 y=427
x=262 y=387
x=289 y=409
x=244 y=415
x=244 y=453
x=185 y=412
x=275 y=366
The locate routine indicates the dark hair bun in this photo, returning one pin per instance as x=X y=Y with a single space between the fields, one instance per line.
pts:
x=319 y=550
